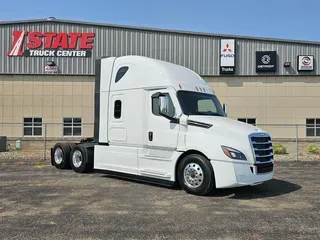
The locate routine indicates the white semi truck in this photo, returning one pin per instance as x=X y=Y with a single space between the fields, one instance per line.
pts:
x=162 y=123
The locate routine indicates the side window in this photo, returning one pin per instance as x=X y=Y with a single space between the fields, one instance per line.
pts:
x=121 y=72
x=155 y=106
x=117 y=109
x=313 y=127
x=32 y=126
x=72 y=126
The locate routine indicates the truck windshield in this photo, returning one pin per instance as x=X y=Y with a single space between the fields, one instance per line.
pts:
x=193 y=103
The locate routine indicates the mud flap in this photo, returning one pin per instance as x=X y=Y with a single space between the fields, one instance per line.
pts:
x=51 y=156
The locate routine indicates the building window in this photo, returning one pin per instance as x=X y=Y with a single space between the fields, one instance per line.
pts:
x=117 y=109
x=248 y=120
x=72 y=126
x=155 y=106
x=32 y=126
x=313 y=127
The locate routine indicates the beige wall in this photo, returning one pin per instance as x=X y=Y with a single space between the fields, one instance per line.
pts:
x=272 y=100
x=49 y=97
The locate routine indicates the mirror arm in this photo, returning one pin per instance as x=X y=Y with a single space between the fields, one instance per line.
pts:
x=172 y=119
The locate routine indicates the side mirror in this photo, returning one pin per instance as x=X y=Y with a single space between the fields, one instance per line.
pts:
x=164 y=105
x=225 y=108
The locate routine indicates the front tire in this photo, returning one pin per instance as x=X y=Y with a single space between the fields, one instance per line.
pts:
x=81 y=159
x=195 y=174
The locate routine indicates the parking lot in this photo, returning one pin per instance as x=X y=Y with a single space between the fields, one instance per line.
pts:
x=38 y=201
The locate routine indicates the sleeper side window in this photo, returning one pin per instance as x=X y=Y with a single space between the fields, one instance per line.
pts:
x=117 y=109
x=155 y=106
x=121 y=72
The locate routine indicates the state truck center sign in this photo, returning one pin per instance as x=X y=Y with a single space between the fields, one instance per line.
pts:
x=51 y=44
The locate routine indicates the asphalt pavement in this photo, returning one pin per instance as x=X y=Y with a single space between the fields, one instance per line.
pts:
x=38 y=201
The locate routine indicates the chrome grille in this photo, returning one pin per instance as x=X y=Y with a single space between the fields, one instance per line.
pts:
x=262 y=147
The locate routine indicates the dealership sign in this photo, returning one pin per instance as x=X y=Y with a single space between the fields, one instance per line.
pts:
x=51 y=69
x=305 y=63
x=227 y=56
x=51 y=44
x=266 y=61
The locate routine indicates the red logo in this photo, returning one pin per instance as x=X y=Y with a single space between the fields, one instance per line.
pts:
x=306 y=61
x=227 y=48
x=49 y=40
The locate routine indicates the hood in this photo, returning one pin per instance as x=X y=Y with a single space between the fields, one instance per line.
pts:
x=228 y=124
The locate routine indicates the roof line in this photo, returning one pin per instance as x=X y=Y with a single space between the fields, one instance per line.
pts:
x=159 y=30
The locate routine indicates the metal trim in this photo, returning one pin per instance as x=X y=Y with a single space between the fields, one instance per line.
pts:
x=199 y=124
x=300 y=42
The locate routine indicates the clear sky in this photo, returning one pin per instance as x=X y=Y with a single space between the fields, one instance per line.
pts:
x=291 y=19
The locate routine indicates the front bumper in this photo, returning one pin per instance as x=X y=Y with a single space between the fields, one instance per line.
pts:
x=237 y=174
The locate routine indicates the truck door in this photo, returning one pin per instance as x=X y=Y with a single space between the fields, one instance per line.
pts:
x=161 y=138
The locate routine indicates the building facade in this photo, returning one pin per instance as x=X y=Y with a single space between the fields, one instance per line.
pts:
x=47 y=74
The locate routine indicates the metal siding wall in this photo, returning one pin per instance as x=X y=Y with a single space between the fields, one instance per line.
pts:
x=191 y=51
x=200 y=53
x=287 y=52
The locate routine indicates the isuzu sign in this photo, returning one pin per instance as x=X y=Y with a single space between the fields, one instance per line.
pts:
x=227 y=56
x=305 y=63
x=51 y=44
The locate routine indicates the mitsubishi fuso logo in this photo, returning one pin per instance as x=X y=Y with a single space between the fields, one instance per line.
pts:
x=227 y=48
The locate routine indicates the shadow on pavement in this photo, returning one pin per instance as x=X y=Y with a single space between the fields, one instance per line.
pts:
x=271 y=188
x=267 y=189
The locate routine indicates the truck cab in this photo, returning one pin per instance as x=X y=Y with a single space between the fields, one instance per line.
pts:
x=160 y=122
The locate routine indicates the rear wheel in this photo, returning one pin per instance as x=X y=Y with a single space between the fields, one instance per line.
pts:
x=196 y=175
x=72 y=146
x=81 y=159
x=61 y=154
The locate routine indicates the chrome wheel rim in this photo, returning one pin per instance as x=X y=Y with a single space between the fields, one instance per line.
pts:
x=193 y=175
x=77 y=158
x=58 y=156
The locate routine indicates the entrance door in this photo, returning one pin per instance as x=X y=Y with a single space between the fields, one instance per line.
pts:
x=156 y=159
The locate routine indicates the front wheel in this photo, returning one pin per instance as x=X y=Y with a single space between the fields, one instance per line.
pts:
x=195 y=174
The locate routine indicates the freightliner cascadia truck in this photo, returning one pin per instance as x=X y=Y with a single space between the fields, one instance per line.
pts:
x=159 y=122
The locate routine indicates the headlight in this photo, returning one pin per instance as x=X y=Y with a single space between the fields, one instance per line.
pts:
x=233 y=153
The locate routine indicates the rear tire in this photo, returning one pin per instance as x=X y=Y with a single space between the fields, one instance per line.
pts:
x=81 y=159
x=61 y=155
x=195 y=175
x=72 y=146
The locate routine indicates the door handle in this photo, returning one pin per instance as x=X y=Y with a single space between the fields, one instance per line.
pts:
x=150 y=136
